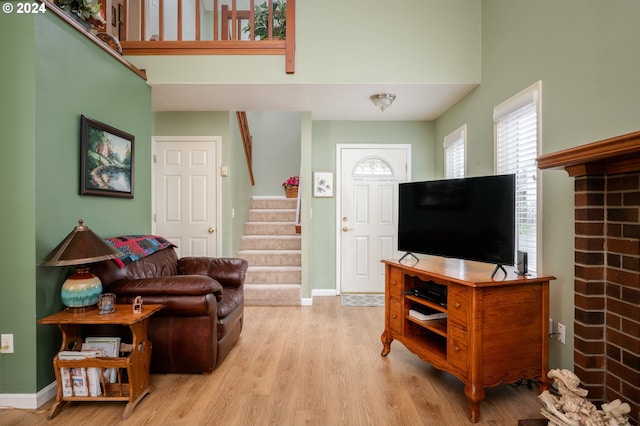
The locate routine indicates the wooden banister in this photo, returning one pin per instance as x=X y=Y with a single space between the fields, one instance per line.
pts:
x=243 y=124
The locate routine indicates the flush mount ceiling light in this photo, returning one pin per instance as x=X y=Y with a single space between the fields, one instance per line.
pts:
x=383 y=100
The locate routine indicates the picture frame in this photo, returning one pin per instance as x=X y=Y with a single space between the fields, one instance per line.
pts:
x=106 y=160
x=323 y=184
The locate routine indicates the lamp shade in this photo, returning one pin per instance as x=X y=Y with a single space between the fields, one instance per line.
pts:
x=80 y=247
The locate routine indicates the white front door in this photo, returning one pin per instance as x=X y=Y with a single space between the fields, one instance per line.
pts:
x=368 y=212
x=186 y=193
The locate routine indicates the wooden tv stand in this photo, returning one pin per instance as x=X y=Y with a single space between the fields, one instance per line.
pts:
x=496 y=330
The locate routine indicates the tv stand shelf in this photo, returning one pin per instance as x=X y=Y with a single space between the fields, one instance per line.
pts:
x=495 y=330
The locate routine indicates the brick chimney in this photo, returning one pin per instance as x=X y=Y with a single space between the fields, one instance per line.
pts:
x=607 y=264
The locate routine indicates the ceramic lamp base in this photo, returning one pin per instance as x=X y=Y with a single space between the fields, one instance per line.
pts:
x=81 y=290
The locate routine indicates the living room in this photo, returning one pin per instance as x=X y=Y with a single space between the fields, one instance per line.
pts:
x=585 y=53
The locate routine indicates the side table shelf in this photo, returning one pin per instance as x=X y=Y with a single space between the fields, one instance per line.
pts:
x=134 y=367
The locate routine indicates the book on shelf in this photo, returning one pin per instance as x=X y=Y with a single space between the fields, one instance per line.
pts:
x=110 y=346
x=426 y=314
x=79 y=381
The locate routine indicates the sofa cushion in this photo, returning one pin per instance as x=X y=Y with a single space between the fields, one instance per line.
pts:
x=160 y=264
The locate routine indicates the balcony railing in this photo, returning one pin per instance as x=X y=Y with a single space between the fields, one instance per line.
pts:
x=205 y=27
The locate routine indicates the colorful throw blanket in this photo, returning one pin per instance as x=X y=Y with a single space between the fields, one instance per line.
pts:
x=135 y=247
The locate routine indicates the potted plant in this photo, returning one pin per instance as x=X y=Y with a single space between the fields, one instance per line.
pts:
x=291 y=186
x=88 y=11
x=261 y=20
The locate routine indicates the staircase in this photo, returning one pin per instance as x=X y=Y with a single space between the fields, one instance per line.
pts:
x=272 y=248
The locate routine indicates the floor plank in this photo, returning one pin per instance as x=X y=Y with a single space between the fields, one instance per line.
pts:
x=311 y=365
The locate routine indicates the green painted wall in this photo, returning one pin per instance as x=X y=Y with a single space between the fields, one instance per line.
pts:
x=17 y=254
x=326 y=135
x=276 y=149
x=41 y=136
x=337 y=42
x=236 y=192
x=587 y=55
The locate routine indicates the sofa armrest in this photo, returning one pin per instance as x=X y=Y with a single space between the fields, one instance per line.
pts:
x=178 y=285
x=228 y=271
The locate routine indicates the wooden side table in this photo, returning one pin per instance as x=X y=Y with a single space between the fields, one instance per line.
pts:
x=136 y=363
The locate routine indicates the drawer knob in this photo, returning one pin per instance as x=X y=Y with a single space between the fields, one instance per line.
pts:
x=394 y=282
x=456 y=349
x=457 y=305
x=394 y=316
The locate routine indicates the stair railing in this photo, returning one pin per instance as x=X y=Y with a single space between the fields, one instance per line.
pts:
x=247 y=141
x=205 y=28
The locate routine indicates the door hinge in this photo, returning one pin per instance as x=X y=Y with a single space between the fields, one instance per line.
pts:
x=154 y=159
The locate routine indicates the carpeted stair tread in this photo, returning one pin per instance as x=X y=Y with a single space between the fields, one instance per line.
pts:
x=272 y=248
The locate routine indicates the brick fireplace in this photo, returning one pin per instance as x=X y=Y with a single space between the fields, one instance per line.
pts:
x=607 y=264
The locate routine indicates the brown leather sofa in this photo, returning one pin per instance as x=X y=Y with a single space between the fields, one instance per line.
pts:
x=204 y=306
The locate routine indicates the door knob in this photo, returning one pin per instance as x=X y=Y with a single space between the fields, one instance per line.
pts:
x=211 y=230
x=345 y=229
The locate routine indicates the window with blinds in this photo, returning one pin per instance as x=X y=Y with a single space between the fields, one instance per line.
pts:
x=455 y=146
x=517 y=134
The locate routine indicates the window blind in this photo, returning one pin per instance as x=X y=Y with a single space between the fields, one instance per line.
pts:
x=516 y=152
x=454 y=153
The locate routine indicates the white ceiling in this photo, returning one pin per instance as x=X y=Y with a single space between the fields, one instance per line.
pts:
x=414 y=102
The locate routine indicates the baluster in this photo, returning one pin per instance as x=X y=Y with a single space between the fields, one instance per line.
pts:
x=197 y=6
x=160 y=19
x=270 y=21
x=252 y=19
x=179 y=20
x=234 y=20
x=215 y=20
x=143 y=27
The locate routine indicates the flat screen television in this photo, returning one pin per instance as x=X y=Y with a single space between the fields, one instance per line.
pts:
x=468 y=218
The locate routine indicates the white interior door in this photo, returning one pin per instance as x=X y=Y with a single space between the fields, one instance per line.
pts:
x=186 y=193
x=368 y=212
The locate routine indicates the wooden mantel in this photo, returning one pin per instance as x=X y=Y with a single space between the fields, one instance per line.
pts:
x=619 y=154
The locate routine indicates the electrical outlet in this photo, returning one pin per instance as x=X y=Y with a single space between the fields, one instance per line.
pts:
x=550 y=327
x=6 y=343
x=561 y=333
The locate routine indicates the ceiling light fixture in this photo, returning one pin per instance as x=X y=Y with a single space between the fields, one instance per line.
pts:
x=383 y=100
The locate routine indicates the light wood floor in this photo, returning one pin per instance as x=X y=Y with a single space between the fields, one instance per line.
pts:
x=312 y=365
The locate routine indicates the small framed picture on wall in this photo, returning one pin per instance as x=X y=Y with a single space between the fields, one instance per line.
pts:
x=323 y=184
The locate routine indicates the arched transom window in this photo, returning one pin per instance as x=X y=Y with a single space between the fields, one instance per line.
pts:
x=372 y=167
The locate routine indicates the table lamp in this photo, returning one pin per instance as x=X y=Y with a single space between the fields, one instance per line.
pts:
x=81 y=247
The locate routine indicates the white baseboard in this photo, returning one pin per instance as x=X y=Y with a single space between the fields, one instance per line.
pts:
x=321 y=292
x=308 y=301
x=29 y=401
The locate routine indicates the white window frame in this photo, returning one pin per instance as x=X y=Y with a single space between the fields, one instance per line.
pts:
x=455 y=145
x=530 y=95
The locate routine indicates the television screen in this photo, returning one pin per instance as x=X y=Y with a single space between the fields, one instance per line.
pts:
x=468 y=218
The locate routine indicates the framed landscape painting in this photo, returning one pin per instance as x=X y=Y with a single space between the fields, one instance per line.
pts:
x=106 y=160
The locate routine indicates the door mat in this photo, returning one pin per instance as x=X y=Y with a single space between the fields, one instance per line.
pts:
x=362 y=299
